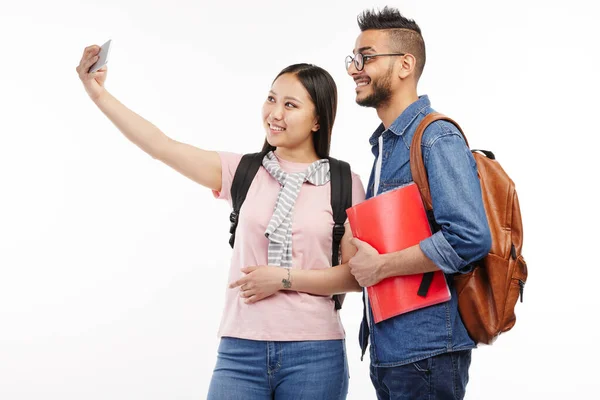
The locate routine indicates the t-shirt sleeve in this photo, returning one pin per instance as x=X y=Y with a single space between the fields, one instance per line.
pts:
x=358 y=190
x=229 y=163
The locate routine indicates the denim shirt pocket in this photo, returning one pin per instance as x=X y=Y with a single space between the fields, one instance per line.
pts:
x=393 y=184
x=395 y=170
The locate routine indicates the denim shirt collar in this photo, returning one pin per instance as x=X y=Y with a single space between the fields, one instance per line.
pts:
x=403 y=121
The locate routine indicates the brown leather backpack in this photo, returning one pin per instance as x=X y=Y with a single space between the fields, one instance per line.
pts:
x=486 y=296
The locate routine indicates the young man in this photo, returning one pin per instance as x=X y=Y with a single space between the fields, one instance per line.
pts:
x=426 y=353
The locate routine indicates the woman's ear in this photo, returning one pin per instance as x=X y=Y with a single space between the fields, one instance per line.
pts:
x=316 y=126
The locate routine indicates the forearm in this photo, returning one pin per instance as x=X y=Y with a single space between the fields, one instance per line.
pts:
x=323 y=282
x=135 y=128
x=405 y=262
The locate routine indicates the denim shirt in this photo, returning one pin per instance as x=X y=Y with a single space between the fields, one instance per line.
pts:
x=463 y=236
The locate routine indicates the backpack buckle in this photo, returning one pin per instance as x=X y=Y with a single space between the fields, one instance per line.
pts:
x=338 y=232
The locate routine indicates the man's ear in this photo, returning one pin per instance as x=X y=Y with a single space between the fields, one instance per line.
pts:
x=408 y=63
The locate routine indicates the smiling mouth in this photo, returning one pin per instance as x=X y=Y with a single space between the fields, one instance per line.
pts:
x=276 y=128
x=362 y=82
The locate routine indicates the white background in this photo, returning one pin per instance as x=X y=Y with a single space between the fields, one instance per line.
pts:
x=113 y=267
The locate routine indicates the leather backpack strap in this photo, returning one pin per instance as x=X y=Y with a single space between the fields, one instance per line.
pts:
x=419 y=174
x=417 y=166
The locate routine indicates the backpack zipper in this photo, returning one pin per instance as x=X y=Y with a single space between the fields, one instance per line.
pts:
x=521 y=287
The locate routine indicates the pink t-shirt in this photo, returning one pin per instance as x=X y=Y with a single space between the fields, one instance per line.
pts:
x=286 y=315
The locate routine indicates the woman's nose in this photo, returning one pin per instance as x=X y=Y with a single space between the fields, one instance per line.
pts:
x=276 y=113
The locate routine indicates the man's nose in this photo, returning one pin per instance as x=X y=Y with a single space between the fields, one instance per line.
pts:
x=351 y=70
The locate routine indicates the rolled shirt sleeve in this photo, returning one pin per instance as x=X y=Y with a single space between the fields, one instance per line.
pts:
x=464 y=235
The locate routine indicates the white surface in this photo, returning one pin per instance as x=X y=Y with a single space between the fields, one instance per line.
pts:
x=113 y=267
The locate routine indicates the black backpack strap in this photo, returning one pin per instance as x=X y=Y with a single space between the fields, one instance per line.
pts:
x=244 y=175
x=341 y=200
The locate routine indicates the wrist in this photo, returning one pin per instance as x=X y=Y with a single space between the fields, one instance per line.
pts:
x=100 y=97
x=286 y=280
x=384 y=266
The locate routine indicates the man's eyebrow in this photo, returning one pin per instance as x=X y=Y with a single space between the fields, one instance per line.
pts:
x=365 y=48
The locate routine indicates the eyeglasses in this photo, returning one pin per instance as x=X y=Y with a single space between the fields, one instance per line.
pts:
x=360 y=59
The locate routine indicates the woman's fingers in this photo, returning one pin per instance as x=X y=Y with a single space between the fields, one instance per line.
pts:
x=92 y=82
x=252 y=299
x=239 y=282
x=88 y=50
x=89 y=57
x=98 y=75
x=86 y=66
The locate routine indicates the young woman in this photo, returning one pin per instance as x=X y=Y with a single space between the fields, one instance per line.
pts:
x=280 y=335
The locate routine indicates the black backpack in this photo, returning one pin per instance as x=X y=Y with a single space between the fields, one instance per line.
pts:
x=341 y=200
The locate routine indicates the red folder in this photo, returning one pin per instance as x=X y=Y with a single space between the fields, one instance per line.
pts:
x=391 y=222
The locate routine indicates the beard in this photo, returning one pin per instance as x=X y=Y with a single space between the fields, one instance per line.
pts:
x=382 y=92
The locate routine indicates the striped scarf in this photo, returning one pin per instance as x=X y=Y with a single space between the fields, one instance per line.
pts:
x=279 y=229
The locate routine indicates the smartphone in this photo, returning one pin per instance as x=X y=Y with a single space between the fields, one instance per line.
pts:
x=102 y=57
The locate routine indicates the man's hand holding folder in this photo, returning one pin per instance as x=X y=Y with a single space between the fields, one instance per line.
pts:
x=389 y=228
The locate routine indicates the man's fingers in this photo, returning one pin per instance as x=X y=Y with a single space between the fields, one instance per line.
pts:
x=351 y=263
x=357 y=242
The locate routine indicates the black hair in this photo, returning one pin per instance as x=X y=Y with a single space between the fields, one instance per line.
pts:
x=323 y=92
x=405 y=35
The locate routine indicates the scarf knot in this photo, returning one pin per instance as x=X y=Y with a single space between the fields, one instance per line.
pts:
x=279 y=229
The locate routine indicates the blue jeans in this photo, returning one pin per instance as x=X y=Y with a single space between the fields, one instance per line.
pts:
x=442 y=377
x=258 y=370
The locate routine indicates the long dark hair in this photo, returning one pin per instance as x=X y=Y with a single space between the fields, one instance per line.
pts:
x=323 y=93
